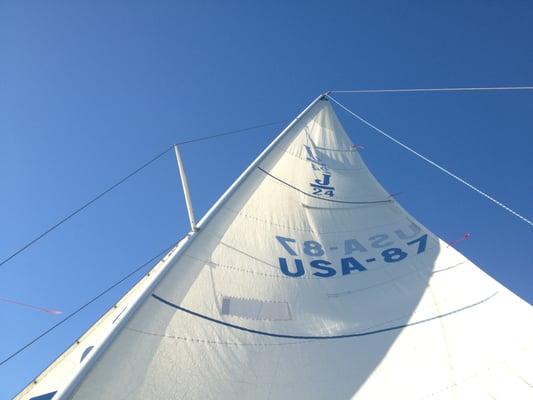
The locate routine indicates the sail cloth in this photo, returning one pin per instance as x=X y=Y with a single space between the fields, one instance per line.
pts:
x=309 y=281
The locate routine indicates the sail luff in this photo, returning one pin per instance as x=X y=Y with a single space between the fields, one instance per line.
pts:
x=255 y=163
x=175 y=253
x=187 y=241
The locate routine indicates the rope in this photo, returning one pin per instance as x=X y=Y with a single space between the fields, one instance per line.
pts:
x=461 y=180
x=121 y=181
x=83 y=207
x=72 y=314
x=452 y=89
x=231 y=132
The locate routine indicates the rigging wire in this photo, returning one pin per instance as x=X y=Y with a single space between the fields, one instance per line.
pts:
x=450 y=89
x=86 y=304
x=83 y=207
x=441 y=168
x=217 y=135
x=124 y=179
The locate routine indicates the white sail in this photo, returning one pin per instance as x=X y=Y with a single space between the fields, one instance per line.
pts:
x=307 y=280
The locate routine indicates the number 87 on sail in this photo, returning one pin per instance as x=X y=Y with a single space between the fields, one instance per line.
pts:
x=325 y=269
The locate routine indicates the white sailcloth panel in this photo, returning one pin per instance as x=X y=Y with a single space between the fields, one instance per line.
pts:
x=311 y=282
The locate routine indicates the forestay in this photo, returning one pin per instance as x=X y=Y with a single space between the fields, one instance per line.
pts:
x=308 y=281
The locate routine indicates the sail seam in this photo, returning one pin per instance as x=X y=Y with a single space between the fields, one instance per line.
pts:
x=352 y=150
x=411 y=272
x=252 y=217
x=207 y=341
x=286 y=151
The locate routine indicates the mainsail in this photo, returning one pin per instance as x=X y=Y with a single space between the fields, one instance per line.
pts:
x=305 y=280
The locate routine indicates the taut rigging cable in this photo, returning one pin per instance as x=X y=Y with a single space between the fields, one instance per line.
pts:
x=124 y=179
x=83 y=306
x=427 y=90
x=441 y=168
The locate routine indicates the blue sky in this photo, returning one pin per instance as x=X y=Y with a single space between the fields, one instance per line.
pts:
x=89 y=91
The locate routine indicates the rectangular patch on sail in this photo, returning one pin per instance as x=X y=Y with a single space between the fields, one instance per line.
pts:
x=256 y=309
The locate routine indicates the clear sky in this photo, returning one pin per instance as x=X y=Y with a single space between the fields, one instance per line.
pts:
x=91 y=90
